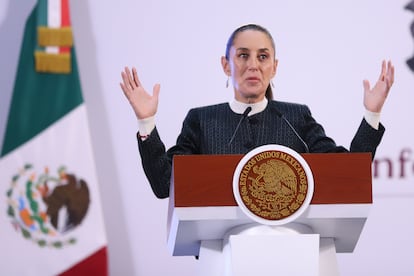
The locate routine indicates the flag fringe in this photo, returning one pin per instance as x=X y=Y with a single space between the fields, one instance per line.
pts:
x=52 y=63
x=54 y=36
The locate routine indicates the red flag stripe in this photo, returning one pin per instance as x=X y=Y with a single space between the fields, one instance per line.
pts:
x=96 y=265
x=65 y=21
x=65 y=18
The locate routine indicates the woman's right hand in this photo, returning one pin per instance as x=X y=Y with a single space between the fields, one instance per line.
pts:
x=143 y=104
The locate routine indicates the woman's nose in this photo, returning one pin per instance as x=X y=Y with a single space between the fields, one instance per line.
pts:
x=252 y=63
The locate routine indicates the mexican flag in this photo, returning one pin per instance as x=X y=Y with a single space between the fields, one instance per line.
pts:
x=51 y=219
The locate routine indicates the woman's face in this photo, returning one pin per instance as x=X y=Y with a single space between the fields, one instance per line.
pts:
x=251 y=65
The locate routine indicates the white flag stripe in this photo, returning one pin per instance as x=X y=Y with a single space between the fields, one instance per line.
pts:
x=54 y=13
x=54 y=20
x=65 y=143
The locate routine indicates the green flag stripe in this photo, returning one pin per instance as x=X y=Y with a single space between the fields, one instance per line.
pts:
x=41 y=13
x=39 y=99
x=41 y=19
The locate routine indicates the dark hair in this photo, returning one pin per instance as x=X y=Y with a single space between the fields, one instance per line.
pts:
x=254 y=27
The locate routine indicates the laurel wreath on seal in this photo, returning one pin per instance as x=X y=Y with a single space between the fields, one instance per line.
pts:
x=273 y=192
x=25 y=209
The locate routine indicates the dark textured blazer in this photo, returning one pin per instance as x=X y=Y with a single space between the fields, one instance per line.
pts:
x=208 y=130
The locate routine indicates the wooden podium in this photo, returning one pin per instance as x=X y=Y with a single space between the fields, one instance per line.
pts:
x=202 y=206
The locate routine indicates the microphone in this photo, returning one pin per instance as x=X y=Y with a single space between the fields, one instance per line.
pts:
x=244 y=115
x=293 y=129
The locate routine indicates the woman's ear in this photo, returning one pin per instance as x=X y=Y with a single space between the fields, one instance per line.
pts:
x=275 y=67
x=226 y=66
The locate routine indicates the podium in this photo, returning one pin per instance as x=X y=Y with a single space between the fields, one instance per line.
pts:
x=202 y=209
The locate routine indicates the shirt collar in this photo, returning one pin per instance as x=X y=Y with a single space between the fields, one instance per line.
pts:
x=239 y=107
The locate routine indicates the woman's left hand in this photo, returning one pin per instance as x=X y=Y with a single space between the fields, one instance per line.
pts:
x=374 y=98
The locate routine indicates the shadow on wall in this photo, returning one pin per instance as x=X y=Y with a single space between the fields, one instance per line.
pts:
x=119 y=247
x=410 y=61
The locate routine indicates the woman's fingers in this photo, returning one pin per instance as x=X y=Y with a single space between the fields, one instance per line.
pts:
x=383 y=71
x=130 y=81
x=135 y=77
x=390 y=74
x=387 y=73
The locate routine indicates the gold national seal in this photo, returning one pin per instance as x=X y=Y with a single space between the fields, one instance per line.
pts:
x=273 y=184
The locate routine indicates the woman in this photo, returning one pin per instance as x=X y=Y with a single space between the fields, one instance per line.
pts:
x=252 y=119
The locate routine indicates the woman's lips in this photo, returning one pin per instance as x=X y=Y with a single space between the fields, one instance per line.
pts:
x=253 y=80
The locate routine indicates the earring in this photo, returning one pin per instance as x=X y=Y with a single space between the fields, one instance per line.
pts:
x=272 y=84
x=227 y=82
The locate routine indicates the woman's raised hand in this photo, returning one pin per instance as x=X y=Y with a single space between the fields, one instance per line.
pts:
x=143 y=104
x=374 y=98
